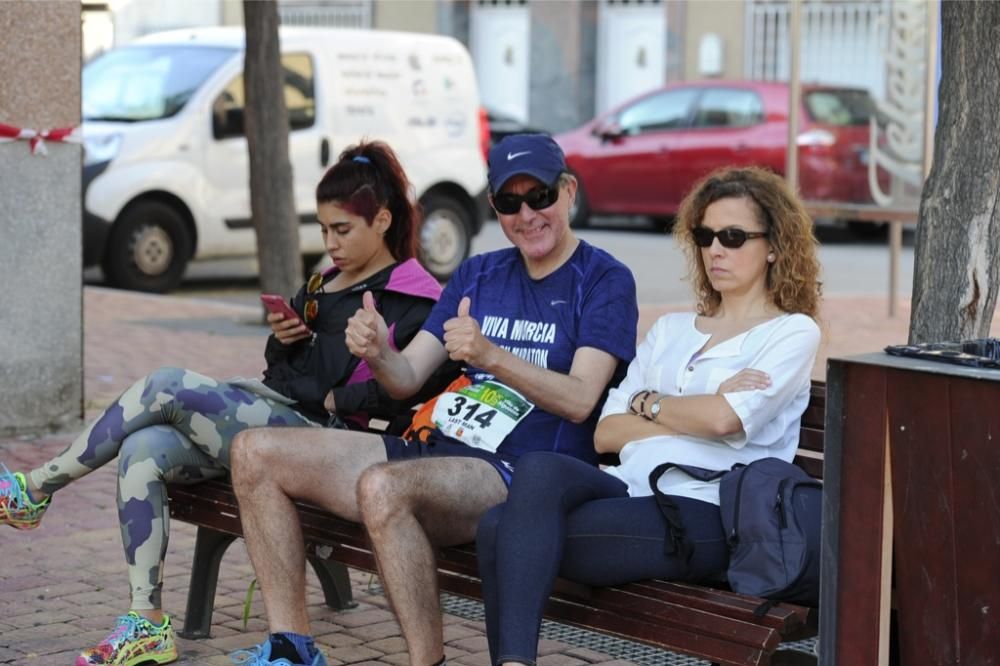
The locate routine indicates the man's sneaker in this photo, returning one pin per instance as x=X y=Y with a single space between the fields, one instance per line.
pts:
x=260 y=655
x=135 y=640
x=16 y=508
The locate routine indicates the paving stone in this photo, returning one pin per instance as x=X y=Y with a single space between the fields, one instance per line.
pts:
x=472 y=659
x=557 y=659
x=373 y=632
x=390 y=645
x=471 y=644
x=41 y=618
x=587 y=654
x=359 y=619
x=353 y=654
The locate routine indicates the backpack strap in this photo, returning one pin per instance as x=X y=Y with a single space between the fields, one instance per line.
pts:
x=677 y=544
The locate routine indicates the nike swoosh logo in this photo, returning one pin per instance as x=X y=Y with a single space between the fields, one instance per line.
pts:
x=511 y=156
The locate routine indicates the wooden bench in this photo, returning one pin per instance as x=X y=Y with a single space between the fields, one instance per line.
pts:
x=713 y=624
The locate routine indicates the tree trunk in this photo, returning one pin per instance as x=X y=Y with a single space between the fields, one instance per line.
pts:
x=956 y=272
x=272 y=200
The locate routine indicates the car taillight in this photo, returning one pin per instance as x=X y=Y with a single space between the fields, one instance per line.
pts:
x=816 y=137
x=484 y=132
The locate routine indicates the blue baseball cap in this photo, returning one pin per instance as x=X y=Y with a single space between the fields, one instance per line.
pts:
x=535 y=155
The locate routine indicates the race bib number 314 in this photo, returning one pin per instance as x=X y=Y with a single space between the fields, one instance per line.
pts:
x=480 y=415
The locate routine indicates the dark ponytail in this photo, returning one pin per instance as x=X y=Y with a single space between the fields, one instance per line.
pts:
x=366 y=178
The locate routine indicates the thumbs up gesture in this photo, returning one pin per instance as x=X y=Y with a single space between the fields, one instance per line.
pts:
x=463 y=339
x=366 y=334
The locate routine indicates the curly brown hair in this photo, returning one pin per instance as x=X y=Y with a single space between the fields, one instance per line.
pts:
x=793 y=279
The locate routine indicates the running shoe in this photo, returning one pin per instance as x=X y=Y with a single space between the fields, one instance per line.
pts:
x=260 y=655
x=16 y=508
x=135 y=640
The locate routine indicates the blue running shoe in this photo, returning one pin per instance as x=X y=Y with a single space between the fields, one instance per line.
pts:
x=261 y=656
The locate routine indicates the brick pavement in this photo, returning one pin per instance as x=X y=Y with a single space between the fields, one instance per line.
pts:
x=62 y=585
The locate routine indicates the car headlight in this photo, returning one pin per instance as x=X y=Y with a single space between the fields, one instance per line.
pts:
x=103 y=148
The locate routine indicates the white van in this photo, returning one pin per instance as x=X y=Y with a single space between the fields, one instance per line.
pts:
x=166 y=176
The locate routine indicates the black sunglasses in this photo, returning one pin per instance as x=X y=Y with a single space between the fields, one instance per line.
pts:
x=731 y=237
x=537 y=198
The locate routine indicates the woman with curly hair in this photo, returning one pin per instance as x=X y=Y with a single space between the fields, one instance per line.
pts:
x=724 y=385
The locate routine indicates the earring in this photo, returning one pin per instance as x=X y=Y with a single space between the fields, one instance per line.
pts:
x=771 y=258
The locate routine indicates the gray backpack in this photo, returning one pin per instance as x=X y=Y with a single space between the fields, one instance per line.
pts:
x=771 y=514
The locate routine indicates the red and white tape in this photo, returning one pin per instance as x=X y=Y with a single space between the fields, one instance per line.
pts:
x=36 y=138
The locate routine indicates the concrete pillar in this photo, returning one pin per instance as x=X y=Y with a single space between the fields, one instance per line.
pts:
x=41 y=314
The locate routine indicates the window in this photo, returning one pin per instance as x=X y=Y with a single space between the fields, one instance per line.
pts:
x=839 y=107
x=668 y=110
x=721 y=107
x=146 y=82
x=300 y=99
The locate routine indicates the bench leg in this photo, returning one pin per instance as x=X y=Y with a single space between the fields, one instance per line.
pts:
x=335 y=582
x=209 y=547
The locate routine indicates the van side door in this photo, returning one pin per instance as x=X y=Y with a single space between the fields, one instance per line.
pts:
x=227 y=160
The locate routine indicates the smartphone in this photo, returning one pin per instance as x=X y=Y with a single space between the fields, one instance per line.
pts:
x=275 y=303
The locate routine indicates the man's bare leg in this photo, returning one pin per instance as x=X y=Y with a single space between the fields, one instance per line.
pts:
x=409 y=508
x=270 y=468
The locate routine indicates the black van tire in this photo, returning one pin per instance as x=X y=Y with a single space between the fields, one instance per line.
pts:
x=445 y=235
x=148 y=248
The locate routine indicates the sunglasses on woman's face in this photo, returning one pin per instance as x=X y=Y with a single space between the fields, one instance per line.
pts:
x=731 y=237
x=537 y=198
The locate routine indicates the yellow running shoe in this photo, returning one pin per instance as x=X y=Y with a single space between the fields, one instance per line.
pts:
x=16 y=508
x=135 y=640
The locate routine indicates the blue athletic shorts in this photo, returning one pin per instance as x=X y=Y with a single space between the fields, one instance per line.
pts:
x=397 y=448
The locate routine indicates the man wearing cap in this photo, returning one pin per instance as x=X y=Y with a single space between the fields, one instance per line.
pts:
x=543 y=328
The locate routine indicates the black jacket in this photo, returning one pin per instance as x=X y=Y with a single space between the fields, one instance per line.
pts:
x=307 y=370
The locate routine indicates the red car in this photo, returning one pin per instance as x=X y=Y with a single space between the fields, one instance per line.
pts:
x=644 y=156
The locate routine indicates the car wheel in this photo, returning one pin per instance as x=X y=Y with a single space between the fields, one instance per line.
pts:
x=148 y=248
x=664 y=224
x=579 y=212
x=869 y=231
x=445 y=235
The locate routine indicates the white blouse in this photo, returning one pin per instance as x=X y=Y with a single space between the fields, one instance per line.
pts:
x=783 y=347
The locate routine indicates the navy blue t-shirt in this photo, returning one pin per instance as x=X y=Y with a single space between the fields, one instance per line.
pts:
x=587 y=302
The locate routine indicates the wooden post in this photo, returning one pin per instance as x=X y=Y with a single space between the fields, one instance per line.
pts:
x=794 y=93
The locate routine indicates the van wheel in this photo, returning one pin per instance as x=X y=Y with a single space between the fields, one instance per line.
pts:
x=148 y=248
x=579 y=212
x=445 y=235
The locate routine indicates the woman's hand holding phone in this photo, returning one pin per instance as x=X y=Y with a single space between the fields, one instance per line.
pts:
x=285 y=323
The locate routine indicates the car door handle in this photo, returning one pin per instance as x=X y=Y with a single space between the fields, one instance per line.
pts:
x=324 y=152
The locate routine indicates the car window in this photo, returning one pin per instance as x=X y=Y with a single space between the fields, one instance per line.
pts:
x=721 y=107
x=140 y=83
x=300 y=98
x=839 y=107
x=668 y=110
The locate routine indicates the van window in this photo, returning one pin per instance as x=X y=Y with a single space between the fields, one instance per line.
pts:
x=139 y=83
x=839 y=107
x=721 y=107
x=300 y=99
x=668 y=110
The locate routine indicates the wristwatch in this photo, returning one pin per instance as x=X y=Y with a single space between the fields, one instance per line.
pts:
x=654 y=409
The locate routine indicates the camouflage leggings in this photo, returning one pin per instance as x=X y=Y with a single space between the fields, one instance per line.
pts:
x=173 y=426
